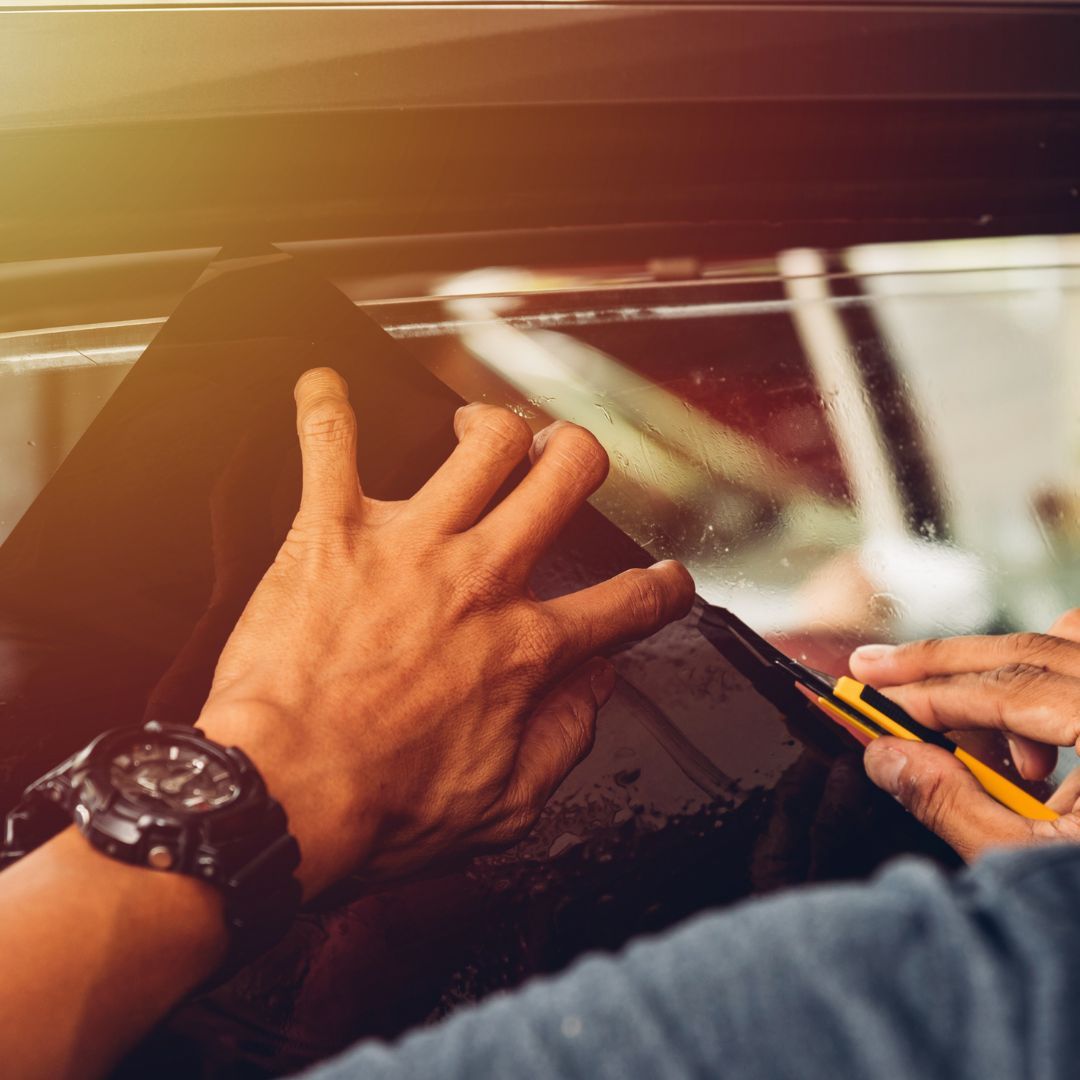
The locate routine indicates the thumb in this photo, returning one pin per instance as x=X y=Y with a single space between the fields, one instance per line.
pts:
x=934 y=786
x=561 y=731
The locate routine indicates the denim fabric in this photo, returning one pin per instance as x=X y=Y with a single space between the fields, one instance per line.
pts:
x=914 y=975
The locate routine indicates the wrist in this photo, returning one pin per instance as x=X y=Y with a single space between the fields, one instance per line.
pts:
x=95 y=952
x=326 y=825
x=184 y=916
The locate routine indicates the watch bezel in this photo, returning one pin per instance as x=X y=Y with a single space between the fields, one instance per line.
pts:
x=149 y=832
x=99 y=790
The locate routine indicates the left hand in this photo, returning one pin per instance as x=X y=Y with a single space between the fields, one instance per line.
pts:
x=1025 y=685
x=404 y=695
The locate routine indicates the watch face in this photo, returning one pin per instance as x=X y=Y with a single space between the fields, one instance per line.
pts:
x=183 y=776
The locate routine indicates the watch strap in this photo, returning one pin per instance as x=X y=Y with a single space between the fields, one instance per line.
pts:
x=261 y=893
x=249 y=859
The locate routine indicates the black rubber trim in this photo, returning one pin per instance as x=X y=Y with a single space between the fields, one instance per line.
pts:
x=748 y=176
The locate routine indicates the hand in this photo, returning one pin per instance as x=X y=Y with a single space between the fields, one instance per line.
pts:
x=1025 y=685
x=392 y=678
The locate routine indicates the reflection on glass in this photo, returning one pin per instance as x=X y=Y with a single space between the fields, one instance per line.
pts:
x=885 y=450
x=878 y=442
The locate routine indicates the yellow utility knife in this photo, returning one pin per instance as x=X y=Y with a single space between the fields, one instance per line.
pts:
x=858 y=707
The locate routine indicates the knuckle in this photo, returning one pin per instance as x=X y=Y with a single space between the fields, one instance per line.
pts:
x=579 y=729
x=928 y=797
x=572 y=735
x=1030 y=645
x=1018 y=678
x=479 y=586
x=327 y=420
x=1066 y=828
x=578 y=454
x=503 y=430
x=539 y=642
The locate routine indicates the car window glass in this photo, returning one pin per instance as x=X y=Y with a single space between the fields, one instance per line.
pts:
x=877 y=443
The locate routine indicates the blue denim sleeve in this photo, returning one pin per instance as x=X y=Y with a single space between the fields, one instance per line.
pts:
x=913 y=975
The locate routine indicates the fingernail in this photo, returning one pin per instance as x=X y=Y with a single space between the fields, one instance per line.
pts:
x=602 y=680
x=460 y=414
x=1019 y=756
x=663 y=564
x=885 y=764
x=872 y=653
x=540 y=440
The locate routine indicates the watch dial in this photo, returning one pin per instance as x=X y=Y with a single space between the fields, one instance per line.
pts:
x=180 y=776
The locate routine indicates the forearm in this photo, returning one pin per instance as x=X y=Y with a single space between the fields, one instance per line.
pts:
x=93 y=953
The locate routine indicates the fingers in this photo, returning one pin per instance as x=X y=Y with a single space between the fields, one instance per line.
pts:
x=632 y=605
x=491 y=443
x=892 y=665
x=326 y=426
x=1033 y=760
x=561 y=732
x=1019 y=700
x=1026 y=683
x=934 y=786
x=568 y=466
x=1065 y=798
x=1067 y=626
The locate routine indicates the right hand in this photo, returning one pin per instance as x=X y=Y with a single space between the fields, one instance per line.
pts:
x=404 y=695
x=1026 y=686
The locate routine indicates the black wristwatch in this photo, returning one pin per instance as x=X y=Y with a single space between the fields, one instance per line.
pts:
x=167 y=798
